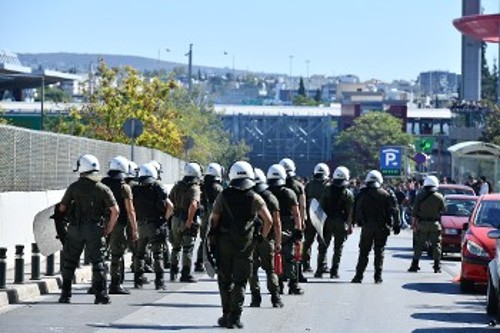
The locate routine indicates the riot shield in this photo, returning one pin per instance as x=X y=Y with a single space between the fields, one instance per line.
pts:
x=45 y=233
x=317 y=216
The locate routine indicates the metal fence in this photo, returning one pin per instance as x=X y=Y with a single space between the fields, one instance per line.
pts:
x=37 y=161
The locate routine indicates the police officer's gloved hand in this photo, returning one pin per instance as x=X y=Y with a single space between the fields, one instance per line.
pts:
x=397 y=229
x=259 y=238
x=297 y=234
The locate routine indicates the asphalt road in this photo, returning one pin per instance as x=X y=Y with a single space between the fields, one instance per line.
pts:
x=404 y=302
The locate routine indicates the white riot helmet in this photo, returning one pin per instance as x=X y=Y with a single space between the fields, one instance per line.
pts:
x=119 y=163
x=147 y=173
x=192 y=169
x=374 y=179
x=133 y=169
x=215 y=170
x=260 y=180
x=431 y=181
x=289 y=166
x=321 y=170
x=276 y=175
x=341 y=176
x=159 y=168
x=241 y=175
x=87 y=163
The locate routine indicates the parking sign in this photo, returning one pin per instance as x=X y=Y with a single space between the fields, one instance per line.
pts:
x=390 y=160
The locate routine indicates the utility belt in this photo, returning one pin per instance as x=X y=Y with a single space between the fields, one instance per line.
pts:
x=86 y=222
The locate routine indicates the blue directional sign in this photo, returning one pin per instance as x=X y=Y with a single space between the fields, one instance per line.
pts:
x=391 y=160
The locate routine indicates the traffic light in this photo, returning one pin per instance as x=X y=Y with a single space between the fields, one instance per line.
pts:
x=424 y=145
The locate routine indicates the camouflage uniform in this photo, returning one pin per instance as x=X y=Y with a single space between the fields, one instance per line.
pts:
x=182 y=195
x=427 y=209
x=88 y=201
x=373 y=211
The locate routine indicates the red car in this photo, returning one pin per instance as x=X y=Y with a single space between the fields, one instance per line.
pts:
x=477 y=248
x=458 y=210
x=446 y=189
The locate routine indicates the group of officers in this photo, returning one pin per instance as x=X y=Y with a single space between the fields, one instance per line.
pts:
x=244 y=225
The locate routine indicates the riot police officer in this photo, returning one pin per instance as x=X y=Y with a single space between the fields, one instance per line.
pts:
x=373 y=211
x=153 y=208
x=118 y=168
x=426 y=215
x=185 y=196
x=293 y=183
x=337 y=202
x=313 y=190
x=291 y=226
x=233 y=215
x=211 y=187
x=264 y=249
x=86 y=202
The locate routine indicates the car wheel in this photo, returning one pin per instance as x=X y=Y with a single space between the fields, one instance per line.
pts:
x=491 y=298
x=466 y=286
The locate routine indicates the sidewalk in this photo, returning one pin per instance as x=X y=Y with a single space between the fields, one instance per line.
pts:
x=30 y=289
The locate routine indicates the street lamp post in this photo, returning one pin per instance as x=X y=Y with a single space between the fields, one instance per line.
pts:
x=42 y=99
x=190 y=66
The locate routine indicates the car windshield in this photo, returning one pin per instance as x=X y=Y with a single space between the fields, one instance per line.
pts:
x=488 y=214
x=459 y=207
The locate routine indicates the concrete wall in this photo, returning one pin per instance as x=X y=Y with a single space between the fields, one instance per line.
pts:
x=17 y=210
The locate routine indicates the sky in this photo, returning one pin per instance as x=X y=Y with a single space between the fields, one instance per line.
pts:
x=386 y=39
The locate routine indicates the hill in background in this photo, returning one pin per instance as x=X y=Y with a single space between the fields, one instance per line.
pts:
x=80 y=63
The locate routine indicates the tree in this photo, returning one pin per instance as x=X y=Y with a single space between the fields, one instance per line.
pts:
x=317 y=96
x=358 y=146
x=488 y=79
x=491 y=131
x=168 y=112
x=54 y=94
x=302 y=88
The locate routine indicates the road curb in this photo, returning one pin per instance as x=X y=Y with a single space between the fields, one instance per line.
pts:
x=17 y=293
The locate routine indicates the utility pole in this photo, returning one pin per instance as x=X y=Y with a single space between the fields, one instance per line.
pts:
x=190 y=66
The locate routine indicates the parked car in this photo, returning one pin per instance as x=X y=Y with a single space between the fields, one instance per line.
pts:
x=493 y=291
x=446 y=189
x=477 y=248
x=459 y=208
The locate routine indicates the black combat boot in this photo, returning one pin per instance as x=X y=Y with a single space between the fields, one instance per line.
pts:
x=378 y=277
x=159 y=281
x=306 y=267
x=65 y=292
x=115 y=288
x=256 y=300
x=414 y=266
x=198 y=267
x=233 y=320
x=276 y=301
x=294 y=289
x=334 y=273
x=222 y=321
x=186 y=275
x=138 y=280
x=101 y=294
x=319 y=273
x=437 y=266
x=358 y=278
x=174 y=271
x=302 y=278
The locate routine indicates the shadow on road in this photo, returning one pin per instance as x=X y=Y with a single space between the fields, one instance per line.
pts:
x=450 y=330
x=192 y=292
x=457 y=317
x=434 y=287
x=134 y=327
x=395 y=248
x=179 y=305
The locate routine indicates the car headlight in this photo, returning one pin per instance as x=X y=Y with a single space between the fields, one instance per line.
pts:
x=476 y=249
x=451 y=231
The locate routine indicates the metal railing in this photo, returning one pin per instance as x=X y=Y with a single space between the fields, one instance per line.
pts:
x=38 y=161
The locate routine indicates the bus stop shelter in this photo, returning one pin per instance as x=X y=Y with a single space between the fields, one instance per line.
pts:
x=475 y=158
